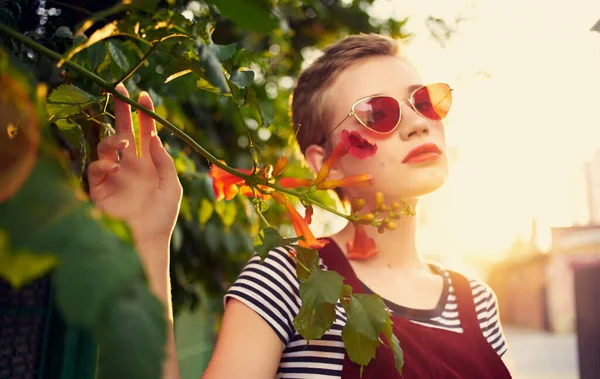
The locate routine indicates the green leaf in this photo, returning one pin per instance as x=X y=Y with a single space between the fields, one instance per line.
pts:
x=321 y=287
x=132 y=335
x=305 y=257
x=212 y=68
x=185 y=209
x=204 y=85
x=394 y=344
x=267 y=240
x=264 y=109
x=136 y=132
x=242 y=78
x=63 y=32
x=227 y=210
x=22 y=266
x=313 y=323
x=223 y=52
x=266 y=113
x=359 y=347
x=178 y=74
x=86 y=282
x=367 y=314
x=66 y=101
x=116 y=53
x=183 y=163
x=105 y=32
x=205 y=211
x=247 y=14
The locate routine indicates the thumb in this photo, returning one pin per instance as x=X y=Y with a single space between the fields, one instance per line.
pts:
x=165 y=167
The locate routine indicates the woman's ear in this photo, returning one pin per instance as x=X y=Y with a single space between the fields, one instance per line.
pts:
x=316 y=156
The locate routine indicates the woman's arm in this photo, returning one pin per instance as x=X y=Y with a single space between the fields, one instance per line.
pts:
x=247 y=346
x=160 y=284
x=145 y=192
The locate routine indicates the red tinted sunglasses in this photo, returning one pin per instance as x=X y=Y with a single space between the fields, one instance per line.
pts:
x=382 y=114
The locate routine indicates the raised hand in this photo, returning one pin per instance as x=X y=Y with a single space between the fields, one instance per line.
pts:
x=144 y=191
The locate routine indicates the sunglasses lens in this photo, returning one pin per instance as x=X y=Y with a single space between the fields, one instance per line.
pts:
x=433 y=101
x=380 y=114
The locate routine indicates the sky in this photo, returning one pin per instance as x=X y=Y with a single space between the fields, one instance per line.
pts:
x=526 y=115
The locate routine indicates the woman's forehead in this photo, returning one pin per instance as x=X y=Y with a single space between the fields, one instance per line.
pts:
x=381 y=75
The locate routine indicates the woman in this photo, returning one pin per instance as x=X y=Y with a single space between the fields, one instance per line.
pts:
x=447 y=325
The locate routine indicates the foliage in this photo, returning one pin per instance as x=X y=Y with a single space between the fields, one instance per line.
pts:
x=222 y=72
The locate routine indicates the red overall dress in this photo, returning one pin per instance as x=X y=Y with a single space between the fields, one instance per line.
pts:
x=428 y=352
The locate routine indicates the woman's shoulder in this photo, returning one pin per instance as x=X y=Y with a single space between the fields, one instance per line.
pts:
x=271 y=288
x=480 y=290
x=486 y=308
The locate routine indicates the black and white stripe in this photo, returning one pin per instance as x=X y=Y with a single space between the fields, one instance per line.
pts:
x=271 y=289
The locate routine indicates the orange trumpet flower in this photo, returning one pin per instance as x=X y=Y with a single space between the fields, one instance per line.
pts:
x=363 y=180
x=295 y=182
x=338 y=153
x=299 y=223
x=225 y=184
x=362 y=247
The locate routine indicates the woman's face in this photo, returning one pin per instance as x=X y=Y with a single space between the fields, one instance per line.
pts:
x=395 y=175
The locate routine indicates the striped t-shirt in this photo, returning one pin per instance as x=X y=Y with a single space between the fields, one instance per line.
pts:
x=271 y=289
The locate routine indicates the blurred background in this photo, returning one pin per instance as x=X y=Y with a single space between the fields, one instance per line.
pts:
x=521 y=208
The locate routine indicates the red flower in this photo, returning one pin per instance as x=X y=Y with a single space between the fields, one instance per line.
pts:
x=225 y=185
x=362 y=247
x=295 y=182
x=308 y=213
x=358 y=146
x=363 y=180
x=300 y=225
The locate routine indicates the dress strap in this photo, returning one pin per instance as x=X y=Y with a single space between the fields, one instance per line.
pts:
x=466 y=305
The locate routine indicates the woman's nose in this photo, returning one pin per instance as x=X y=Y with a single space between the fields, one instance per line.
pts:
x=412 y=124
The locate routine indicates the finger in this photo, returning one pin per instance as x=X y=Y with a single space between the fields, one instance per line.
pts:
x=165 y=167
x=99 y=170
x=123 y=123
x=108 y=147
x=147 y=124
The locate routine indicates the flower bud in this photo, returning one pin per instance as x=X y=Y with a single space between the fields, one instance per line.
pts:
x=282 y=161
x=357 y=203
x=378 y=199
x=368 y=217
x=390 y=225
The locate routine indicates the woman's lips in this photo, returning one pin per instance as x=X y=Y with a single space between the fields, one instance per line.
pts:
x=423 y=153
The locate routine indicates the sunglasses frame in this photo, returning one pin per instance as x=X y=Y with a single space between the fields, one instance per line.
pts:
x=409 y=99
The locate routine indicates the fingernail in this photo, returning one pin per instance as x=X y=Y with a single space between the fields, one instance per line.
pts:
x=144 y=93
x=114 y=167
x=123 y=144
x=121 y=88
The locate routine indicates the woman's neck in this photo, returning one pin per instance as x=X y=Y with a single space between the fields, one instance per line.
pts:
x=397 y=248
